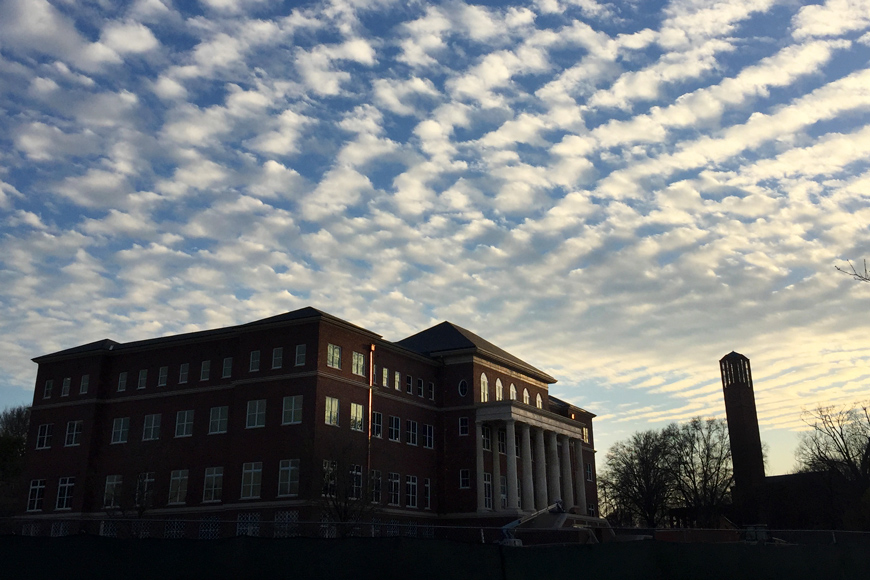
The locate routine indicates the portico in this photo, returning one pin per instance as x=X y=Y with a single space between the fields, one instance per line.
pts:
x=550 y=455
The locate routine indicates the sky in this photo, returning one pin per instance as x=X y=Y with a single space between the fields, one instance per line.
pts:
x=618 y=193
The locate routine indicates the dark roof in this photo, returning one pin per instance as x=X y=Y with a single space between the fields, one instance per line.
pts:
x=733 y=355
x=110 y=345
x=448 y=338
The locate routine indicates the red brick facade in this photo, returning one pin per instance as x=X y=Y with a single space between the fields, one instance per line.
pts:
x=236 y=442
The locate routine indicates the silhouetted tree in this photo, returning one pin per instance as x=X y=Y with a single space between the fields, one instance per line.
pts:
x=346 y=494
x=700 y=464
x=638 y=477
x=14 y=423
x=839 y=440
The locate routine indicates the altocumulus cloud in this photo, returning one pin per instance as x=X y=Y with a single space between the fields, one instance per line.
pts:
x=620 y=193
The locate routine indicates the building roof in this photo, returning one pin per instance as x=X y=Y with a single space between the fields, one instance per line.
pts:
x=105 y=345
x=448 y=338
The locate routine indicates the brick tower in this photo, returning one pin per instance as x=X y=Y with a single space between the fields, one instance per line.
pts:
x=746 y=453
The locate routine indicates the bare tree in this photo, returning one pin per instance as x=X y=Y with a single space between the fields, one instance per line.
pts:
x=855 y=273
x=840 y=441
x=638 y=478
x=346 y=494
x=700 y=465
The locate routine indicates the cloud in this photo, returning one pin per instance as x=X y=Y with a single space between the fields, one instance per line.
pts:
x=128 y=37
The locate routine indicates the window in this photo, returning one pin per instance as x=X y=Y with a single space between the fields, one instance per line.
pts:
x=356 y=417
x=499 y=390
x=73 y=433
x=184 y=423
x=463 y=425
x=183 y=371
x=589 y=472
x=151 y=427
x=49 y=387
x=539 y=402
x=143 y=379
x=178 y=486
x=394 y=483
x=503 y=490
x=359 y=364
x=292 y=411
x=411 y=432
x=333 y=356
x=112 y=495
x=431 y=391
x=162 y=376
x=300 y=355
x=252 y=474
x=227 y=370
x=585 y=435
x=254 y=364
x=486 y=433
x=64 y=389
x=526 y=396
x=421 y=388
x=288 y=477
x=385 y=379
x=513 y=392
x=329 y=474
x=377 y=425
x=355 y=482
x=84 y=384
x=484 y=388
x=411 y=491
x=36 y=495
x=376 y=485
x=331 y=411
x=409 y=385
x=213 y=484
x=256 y=414
x=43 y=436
x=590 y=509
x=120 y=429
x=395 y=428
x=487 y=491
x=277 y=357
x=217 y=420
x=397 y=380
x=205 y=370
x=65 y=487
x=145 y=489
x=502 y=441
x=428 y=436
x=427 y=494
x=463 y=388
x=122 y=382
x=464 y=478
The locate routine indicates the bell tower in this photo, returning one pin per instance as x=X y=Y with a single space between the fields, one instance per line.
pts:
x=746 y=453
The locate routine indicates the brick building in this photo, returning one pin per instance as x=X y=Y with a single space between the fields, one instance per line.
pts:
x=301 y=417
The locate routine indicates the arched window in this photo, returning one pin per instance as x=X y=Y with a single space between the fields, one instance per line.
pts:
x=526 y=396
x=499 y=390
x=539 y=401
x=484 y=388
x=513 y=392
x=463 y=388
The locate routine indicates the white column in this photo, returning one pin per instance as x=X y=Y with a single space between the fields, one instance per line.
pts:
x=553 y=492
x=528 y=485
x=580 y=482
x=496 y=469
x=511 y=437
x=481 y=501
x=540 y=471
x=567 y=481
